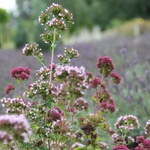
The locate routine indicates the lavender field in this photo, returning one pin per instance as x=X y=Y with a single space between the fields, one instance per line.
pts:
x=131 y=56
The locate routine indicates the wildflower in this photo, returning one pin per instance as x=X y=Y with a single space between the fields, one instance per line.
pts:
x=9 y=88
x=31 y=49
x=20 y=73
x=105 y=65
x=146 y=143
x=120 y=147
x=81 y=104
x=55 y=114
x=140 y=139
x=115 y=78
x=18 y=126
x=15 y=105
x=5 y=137
x=127 y=123
x=111 y=107
x=95 y=82
x=117 y=139
x=104 y=106
x=130 y=139
x=147 y=128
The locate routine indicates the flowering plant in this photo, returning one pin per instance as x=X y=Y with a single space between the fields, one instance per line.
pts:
x=52 y=113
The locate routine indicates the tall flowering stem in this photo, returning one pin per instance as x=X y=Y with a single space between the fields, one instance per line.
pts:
x=52 y=55
x=55 y=104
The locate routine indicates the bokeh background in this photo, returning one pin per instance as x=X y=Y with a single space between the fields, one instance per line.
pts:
x=116 y=28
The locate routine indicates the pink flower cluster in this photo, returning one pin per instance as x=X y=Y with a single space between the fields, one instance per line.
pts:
x=95 y=82
x=115 y=78
x=127 y=123
x=20 y=73
x=143 y=144
x=17 y=126
x=75 y=75
x=120 y=147
x=104 y=100
x=105 y=65
x=9 y=88
x=54 y=114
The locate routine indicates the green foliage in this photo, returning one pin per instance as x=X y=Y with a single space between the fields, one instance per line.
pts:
x=20 y=37
x=4 y=30
x=4 y=17
x=87 y=13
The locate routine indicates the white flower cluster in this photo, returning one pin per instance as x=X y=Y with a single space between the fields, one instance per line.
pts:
x=43 y=72
x=18 y=125
x=34 y=112
x=147 y=128
x=71 y=51
x=103 y=145
x=66 y=68
x=130 y=139
x=127 y=123
x=37 y=87
x=32 y=49
x=10 y=104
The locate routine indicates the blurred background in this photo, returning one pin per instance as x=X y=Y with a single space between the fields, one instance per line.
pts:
x=116 y=28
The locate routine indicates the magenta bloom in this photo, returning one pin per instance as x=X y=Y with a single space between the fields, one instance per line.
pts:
x=115 y=77
x=146 y=144
x=105 y=65
x=20 y=73
x=95 y=82
x=9 y=88
x=139 y=139
x=120 y=147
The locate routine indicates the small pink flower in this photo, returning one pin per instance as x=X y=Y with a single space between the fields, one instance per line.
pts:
x=111 y=107
x=120 y=147
x=9 y=88
x=146 y=144
x=115 y=78
x=95 y=82
x=140 y=139
x=105 y=65
x=104 y=105
x=20 y=73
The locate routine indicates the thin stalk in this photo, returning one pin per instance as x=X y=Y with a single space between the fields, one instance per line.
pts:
x=52 y=55
x=39 y=61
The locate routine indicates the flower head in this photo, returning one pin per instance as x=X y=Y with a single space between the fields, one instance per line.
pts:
x=9 y=88
x=95 y=82
x=120 y=147
x=20 y=73
x=105 y=65
x=127 y=123
x=115 y=78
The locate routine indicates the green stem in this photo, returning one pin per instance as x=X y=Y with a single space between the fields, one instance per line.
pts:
x=39 y=61
x=52 y=55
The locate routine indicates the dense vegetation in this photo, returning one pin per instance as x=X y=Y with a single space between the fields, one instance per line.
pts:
x=87 y=13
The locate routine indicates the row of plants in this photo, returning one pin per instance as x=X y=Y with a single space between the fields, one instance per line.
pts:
x=52 y=112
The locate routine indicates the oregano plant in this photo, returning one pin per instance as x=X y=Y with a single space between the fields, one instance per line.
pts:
x=53 y=113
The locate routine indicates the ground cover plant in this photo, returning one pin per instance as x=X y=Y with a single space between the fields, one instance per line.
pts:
x=52 y=112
